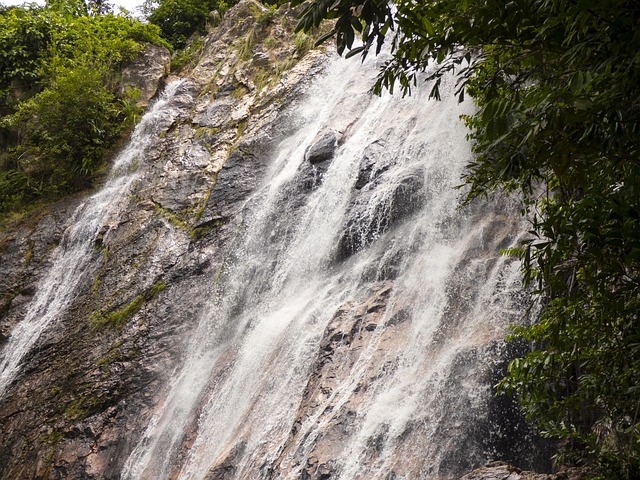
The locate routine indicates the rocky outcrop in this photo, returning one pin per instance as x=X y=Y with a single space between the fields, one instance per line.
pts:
x=146 y=72
x=504 y=471
x=90 y=384
x=322 y=149
x=25 y=249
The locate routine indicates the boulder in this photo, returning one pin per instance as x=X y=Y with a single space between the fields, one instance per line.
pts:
x=323 y=149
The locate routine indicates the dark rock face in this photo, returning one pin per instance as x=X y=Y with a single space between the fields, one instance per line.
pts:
x=25 y=252
x=317 y=156
x=322 y=150
x=404 y=197
x=368 y=171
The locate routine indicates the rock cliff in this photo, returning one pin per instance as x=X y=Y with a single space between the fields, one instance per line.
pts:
x=89 y=383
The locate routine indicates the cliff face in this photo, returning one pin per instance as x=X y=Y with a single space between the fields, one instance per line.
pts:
x=88 y=384
x=339 y=317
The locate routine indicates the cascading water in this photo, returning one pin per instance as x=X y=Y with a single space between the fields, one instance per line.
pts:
x=74 y=259
x=354 y=331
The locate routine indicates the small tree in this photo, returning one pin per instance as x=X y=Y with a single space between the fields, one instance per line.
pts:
x=180 y=19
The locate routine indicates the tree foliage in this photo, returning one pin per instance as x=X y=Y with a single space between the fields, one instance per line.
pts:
x=180 y=19
x=557 y=85
x=62 y=105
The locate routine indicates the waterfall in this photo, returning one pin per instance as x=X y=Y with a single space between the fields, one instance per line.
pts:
x=356 y=328
x=74 y=260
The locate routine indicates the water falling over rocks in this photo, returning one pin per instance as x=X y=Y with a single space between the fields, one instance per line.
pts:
x=285 y=287
x=322 y=149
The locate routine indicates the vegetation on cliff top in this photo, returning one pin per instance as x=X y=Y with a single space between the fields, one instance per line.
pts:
x=62 y=108
x=557 y=85
x=180 y=19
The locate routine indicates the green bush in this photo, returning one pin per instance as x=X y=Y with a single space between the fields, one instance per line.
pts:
x=63 y=108
x=25 y=34
x=65 y=130
x=180 y=19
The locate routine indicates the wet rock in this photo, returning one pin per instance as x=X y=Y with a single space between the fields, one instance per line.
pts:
x=504 y=471
x=377 y=209
x=370 y=167
x=88 y=389
x=322 y=149
x=309 y=176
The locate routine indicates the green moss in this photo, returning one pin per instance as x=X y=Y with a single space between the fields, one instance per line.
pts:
x=95 y=284
x=86 y=403
x=155 y=289
x=205 y=131
x=239 y=92
x=199 y=232
x=284 y=65
x=52 y=437
x=199 y=210
x=263 y=78
x=118 y=318
x=171 y=217
x=78 y=408
x=270 y=43
x=241 y=126
x=102 y=361
x=28 y=256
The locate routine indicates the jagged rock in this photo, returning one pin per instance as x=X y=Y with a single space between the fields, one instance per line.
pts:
x=368 y=171
x=261 y=59
x=322 y=149
x=310 y=175
x=504 y=471
x=146 y=72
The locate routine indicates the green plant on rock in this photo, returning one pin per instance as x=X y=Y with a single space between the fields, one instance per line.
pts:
x=302 y=42
x=188 y=56
x=129 y=111
x=246 y=44
x=118 y=318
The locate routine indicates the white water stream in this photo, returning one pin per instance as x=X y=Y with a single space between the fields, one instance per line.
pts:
x=75 y=258
x=405 y=395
